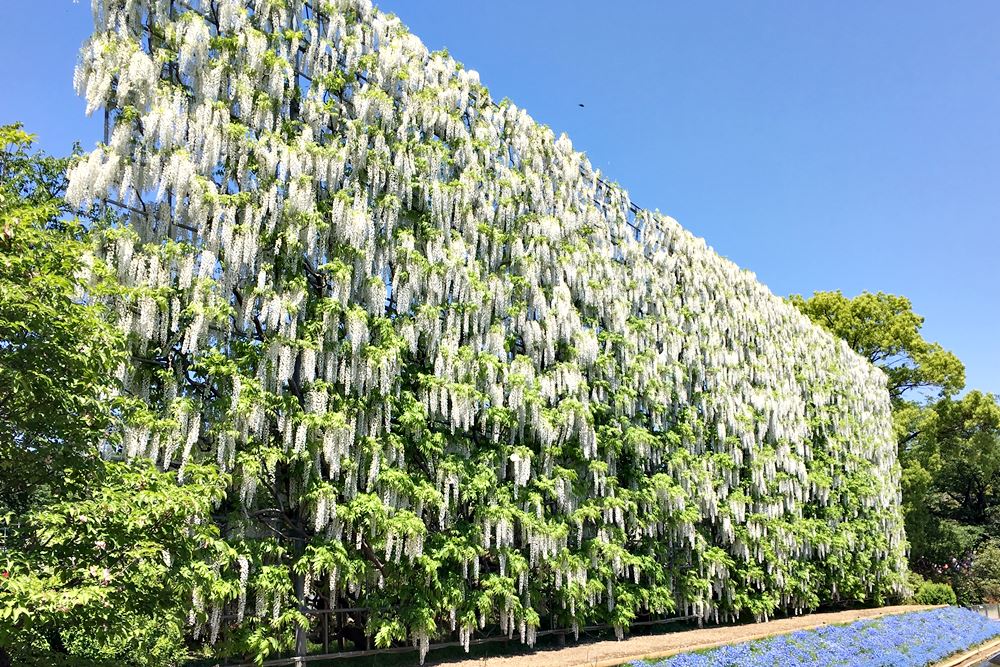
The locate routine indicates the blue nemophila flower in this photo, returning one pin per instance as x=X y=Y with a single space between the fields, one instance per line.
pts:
x=905 y=640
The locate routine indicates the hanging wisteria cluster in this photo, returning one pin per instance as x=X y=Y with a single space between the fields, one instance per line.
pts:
x=455 y=376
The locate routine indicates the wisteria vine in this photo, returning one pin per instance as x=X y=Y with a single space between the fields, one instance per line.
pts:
x=455 y=376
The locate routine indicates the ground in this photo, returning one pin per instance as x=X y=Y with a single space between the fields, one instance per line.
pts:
x=614 y=653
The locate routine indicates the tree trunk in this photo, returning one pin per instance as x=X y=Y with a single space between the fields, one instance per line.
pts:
x=299 y=583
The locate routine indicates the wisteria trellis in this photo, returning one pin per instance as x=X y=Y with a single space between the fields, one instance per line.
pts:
x=455 y=377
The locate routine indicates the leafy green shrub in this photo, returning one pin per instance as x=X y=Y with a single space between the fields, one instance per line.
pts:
x=99 y=559
x=913 y=583
x=931 y=592
x=982 y=583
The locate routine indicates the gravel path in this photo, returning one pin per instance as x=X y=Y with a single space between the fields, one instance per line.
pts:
x=612 y=653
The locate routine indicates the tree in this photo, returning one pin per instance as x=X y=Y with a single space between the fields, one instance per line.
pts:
x=981 y=581
x=450 y=384
x=56 y=354
x=98 y=556
x=884 y=329
x=964 y=453
x=949 y=447
x=952 y=478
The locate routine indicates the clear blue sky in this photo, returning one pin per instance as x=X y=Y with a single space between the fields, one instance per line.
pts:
x=850 y=145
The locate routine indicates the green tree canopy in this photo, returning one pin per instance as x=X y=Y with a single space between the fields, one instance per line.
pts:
x=98 y=557
x=951 y=484
x=884 y=329
x=949 y=446
x=57 y=354
x=965 y=452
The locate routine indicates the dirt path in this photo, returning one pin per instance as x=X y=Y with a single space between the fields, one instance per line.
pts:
x=611 y=653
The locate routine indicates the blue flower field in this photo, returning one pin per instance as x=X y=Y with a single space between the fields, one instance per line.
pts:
x=916 y=639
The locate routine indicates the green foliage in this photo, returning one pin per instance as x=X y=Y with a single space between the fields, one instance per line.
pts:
x=949 y=447
x=934 y=593
x=546 y=423
x=884 y=329
x=920 y=590
x=982 y=581
x=107 y=571
x=959 y=443
x=57 y=353
x=951 y=479
x=99 y=557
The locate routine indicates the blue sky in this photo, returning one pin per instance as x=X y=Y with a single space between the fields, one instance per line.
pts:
x=851 y=145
